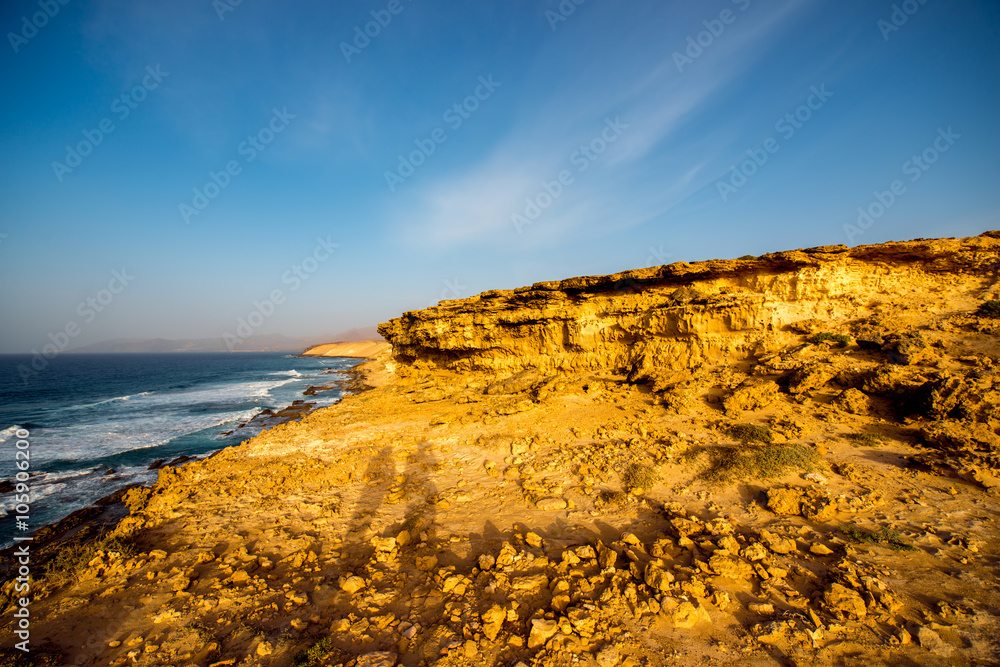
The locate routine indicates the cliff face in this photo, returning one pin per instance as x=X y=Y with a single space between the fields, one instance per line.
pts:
x=682 y=315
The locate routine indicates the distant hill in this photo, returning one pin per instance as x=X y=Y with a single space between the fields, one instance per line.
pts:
x=255 y=343
x=355 y=335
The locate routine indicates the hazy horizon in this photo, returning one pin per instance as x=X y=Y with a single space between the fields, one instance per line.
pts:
x=173 y=171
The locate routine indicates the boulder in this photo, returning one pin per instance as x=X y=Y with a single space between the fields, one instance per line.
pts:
x=730 y=567
x=776 y=543
x=785 y=501
x=750 y=396
x=541 y=631
x=551 y=504
x=377 y=659
x=854 y=401
x=844 y=602
x=352 y=584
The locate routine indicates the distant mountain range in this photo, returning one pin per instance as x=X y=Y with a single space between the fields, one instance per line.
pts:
x=255 y=343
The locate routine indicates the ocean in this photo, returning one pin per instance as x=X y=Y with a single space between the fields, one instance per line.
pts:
x=96 y=423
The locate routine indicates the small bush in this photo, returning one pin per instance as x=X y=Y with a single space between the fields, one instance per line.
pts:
x=72 y=558
x=10 y=657
x=314 y=655
x=639 y=476
x=865 y=439
x=614 y=497
x=732 y=464
x=751 y=433
x=748 y=257
x=885 y=536
x=825 y=336
x=989 y=308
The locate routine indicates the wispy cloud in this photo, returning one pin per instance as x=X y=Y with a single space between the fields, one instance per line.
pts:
x=475 y=205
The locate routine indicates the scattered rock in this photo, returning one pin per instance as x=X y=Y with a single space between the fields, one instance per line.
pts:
x=820 y=549
x=549 y=504
x=730 y=567
x=377 y=659
x=608 y=656
x=778 y=544
x=688 y=615
x=352 y=584
x=751 y=395
x=931 y=641
x=785 y=501
x=541 y=631
x=844 y=602
x=854 y=401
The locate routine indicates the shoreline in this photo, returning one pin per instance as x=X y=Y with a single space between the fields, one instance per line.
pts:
x=103 y=515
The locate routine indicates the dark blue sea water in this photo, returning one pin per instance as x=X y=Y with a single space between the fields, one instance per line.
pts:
x=88 y=414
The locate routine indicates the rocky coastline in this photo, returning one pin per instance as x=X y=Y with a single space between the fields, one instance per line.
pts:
x=786 y=459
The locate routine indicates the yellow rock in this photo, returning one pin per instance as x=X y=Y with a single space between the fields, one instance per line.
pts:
x=352 y=584
x=541 y=631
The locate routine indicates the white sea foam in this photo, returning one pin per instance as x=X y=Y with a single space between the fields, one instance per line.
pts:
x=8 y=433
x=128 y=424
x=151 y=419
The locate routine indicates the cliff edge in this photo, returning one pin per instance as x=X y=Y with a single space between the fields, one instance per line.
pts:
x=683 y=315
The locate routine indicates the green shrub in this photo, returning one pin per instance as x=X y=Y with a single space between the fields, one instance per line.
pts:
x=614 y=497
x=750 y=433
x=74 y=557
x=865 y=439
x=761 y=462
x=989 y=308
x=884 y=535
x=839 y=339
x=314 y=655
x=10 y=657
x=748 y=257
x=639 y=476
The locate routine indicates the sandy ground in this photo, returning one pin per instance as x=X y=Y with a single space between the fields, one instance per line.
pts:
x=441 y=519
x=364 y=349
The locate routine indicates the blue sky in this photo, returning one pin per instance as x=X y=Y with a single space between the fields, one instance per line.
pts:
x=643 y=125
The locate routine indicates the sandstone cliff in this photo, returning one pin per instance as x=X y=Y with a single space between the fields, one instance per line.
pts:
x=681 y=315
